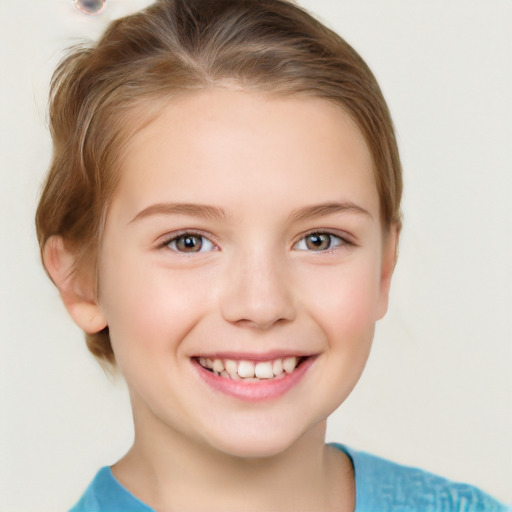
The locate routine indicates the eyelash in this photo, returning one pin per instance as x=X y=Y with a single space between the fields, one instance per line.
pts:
x=335 y=239
x=184 y=235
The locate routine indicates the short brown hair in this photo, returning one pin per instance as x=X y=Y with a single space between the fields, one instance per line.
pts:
x=100 y=95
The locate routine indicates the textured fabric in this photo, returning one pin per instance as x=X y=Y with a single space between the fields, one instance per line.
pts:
x=106 y=494
x=381 y=486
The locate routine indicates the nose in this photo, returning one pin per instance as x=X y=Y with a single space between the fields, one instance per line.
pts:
x=257 y=292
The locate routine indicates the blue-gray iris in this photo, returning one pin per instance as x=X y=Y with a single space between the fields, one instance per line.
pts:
x=90 y=6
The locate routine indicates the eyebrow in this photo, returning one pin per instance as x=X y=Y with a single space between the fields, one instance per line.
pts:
x=207 y=211
x=323 y=209
x=196 y=210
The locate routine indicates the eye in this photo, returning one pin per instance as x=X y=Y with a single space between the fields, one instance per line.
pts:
x=190 y=243
x=318 y=242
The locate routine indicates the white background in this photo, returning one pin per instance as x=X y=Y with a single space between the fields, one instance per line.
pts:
x=437 y=392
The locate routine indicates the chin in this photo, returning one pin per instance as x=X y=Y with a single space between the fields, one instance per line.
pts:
x=268 y=442
x=254 y=449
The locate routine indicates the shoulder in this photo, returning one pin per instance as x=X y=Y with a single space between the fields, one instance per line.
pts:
x=384 y=486
x=106 y=494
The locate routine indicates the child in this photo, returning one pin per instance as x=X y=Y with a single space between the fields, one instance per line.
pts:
x=221 y=218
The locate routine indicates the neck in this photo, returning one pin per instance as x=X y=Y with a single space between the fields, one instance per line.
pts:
x=168 y=471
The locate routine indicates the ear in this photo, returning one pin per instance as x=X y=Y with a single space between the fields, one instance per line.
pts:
x=76 y=290
x=389 y=258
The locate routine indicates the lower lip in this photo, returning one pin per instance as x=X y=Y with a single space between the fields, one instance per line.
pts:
x=254 y=391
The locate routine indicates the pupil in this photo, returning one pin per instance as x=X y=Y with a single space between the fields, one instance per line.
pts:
x=189 y=244
x=317 y=242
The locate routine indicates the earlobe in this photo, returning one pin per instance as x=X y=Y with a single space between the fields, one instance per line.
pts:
x=76 y=290
x=389 y=259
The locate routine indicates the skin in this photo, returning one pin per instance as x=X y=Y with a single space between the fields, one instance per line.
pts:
x=258 y=286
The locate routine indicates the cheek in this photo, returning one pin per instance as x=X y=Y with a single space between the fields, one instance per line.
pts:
x=346 y=300
x=343 y=306
x=148 y=309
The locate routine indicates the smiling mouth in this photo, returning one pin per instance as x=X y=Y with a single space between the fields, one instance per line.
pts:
x=251 y=371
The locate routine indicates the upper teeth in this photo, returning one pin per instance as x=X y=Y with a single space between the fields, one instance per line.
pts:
x=245 y=369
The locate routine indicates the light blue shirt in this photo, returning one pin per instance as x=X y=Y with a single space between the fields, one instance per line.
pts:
x=381 y=486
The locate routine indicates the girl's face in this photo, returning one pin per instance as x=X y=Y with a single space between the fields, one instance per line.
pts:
x=243 y=267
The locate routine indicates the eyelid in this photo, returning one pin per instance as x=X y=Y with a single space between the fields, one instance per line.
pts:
x=344 y=237
x=164 y=241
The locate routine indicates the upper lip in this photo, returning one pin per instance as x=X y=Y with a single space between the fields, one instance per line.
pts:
x=254 y=356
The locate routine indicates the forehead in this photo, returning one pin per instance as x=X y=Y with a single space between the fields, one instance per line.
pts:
x=236 y=143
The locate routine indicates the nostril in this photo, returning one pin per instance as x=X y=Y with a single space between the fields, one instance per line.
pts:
x=260 y=322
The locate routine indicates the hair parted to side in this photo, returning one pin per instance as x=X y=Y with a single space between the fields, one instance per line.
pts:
x=102 y=94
